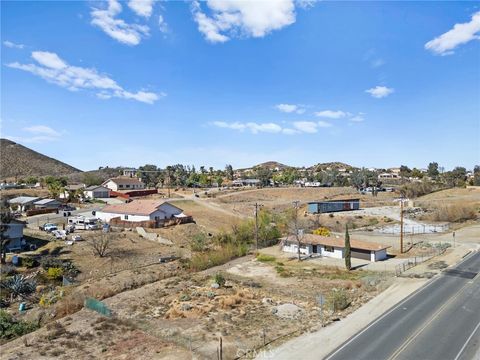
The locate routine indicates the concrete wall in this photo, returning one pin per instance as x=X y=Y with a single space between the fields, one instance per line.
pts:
x=292 y=248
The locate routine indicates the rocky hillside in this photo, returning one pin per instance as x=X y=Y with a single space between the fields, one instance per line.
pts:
x=19 y=161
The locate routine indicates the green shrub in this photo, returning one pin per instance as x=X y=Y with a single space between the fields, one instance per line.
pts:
x=11 y=328
x=198 y=242
x=29 y=262
x=265 y=258
x=55 y=273
x=215 y=257
x=219 y=279
x=339 y=300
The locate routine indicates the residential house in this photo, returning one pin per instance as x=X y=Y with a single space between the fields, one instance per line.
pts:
x=47 y=204
x=23 y=203
x=334 y=247
x=130 y=172
x=124 y=183
x=70 y=188
x=384 y=176
x=14 y=232
x=97 y=192
x=140 y=210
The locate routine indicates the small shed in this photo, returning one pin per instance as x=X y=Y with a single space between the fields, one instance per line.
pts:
x=328 y=206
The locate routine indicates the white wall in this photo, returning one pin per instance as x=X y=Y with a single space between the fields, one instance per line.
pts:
x=292 y=248
x=379 y=255
x=111 y=185
x=336 y=253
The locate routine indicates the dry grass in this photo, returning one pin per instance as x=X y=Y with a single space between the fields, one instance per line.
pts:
x=452 y=213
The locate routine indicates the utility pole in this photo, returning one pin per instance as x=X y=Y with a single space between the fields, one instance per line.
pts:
x=401 y=225
x=257 y=206
x=295 y=221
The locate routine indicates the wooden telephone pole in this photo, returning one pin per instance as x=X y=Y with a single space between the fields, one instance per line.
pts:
x=257 y=206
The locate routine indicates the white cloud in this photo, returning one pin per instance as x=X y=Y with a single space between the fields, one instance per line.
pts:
x=53 y=69
x=162 y=25
x=290 y=108
x=323 y=124
x=38 y=134
x=246 y=18
x=331 y=114
x=380 y=91
x=42 y=130
x=306 y=126
x=458 y=35
x=375 y=63
x=357 y=118
x=130 y=34
x=298 y=127
x=12 y=45
x=141 y=7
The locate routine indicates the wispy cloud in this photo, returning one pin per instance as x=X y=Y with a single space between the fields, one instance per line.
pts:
x=297 y=127
x=37 y=134
x=234 y=18
x=118 y=29
x=458 y=35
x=53 y=69
x=290 y=108
x=358 y=118
x=42 y=130
x=380 y=91
x=332 y=114
x=141 y=7
x=12 y=45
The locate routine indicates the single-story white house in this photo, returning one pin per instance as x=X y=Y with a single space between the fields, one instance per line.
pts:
x=23 y=203
x=334 y=247
x=140 y=210
x=124 y=183
x=47 y=204
x=97 y=192
x=14 y=233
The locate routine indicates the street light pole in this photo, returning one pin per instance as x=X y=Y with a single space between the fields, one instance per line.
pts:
x=401 y=225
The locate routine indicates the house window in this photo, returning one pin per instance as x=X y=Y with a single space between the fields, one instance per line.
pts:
x=120 y=186
x=329 y=248
x=126 y=217
x=127 y=186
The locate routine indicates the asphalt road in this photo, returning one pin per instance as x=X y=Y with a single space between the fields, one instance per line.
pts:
x=441 y=321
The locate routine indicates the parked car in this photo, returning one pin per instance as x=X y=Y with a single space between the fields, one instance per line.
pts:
x=59 y=234
x=76 y=238
x=66 y=208
x=49 y=227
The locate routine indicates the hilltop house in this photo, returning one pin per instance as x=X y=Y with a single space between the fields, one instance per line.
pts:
x=334 y=247
x=141 y=210
x=124 y=183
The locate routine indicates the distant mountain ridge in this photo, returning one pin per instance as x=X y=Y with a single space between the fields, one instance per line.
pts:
x=19 y=161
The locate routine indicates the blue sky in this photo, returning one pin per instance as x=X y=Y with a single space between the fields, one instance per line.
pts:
x=129 y=83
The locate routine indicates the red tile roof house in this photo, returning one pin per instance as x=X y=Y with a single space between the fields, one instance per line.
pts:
x=334 y=247
x=141 y=211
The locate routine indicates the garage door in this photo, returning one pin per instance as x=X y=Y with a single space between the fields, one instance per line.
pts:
x=361 y=254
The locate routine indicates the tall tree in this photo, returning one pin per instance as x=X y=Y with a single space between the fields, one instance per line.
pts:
x=348 y=250
x=432 y=170
x=229 y=171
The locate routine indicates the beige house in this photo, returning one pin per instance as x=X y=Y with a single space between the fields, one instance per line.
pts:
x=124 y=183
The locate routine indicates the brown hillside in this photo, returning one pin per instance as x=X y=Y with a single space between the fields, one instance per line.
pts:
x=19 y=161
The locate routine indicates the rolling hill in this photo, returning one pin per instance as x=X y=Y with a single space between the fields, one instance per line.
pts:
x=19 y=161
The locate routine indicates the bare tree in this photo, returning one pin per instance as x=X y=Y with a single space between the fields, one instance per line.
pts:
x=294 y=226
x=101 y=244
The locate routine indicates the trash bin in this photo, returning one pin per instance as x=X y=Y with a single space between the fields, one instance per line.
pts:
x=16 y=260
x=22 y=307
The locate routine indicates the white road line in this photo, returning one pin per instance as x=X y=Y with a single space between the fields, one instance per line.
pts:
x=394 y=308
x=466 y=342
